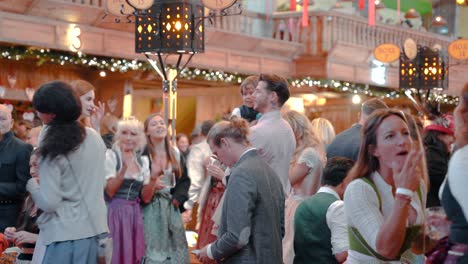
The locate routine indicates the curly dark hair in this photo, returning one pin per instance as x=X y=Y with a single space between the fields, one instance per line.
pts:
x=64 y=133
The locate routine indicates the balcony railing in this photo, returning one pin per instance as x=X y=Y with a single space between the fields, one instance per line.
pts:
x=326 y=28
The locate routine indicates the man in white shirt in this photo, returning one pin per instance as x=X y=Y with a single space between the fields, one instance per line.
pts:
x=320 y=222
x=199 y=180
x=272 y=135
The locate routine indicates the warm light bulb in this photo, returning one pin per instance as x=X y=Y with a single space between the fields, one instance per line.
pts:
x=103 y=74
x=356 y=99
x=178 y=25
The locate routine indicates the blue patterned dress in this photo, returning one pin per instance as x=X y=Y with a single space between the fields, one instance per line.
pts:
x=164 y=231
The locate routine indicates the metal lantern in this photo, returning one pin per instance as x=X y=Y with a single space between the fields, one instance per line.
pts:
x=426 y=71
x=171 y=27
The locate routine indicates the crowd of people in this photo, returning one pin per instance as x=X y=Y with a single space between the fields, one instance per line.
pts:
x=266 y=186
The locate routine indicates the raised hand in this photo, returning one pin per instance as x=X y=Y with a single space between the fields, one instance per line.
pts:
x=97 y=116
x=215 y=171
x=409 y=176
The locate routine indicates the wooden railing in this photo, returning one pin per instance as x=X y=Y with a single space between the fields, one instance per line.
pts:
x=326 y=28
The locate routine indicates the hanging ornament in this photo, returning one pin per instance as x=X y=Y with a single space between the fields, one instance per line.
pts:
x=12 y=80
x=361 y=4
x=292 y=5
x=371 y=13
x=305 y=13
x=29 y=93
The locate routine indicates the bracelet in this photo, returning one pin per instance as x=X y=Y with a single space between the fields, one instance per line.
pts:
x=405 y=191
x=405 y=198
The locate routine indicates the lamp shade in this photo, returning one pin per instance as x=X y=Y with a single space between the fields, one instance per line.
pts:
x=412 y=13
x=171 y=27
x=439 y=21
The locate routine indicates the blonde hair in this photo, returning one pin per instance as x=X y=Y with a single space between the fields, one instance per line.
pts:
x=134 y=125
x=324 y=130
x=305 y=137
x=251 y=80
x=415 y=133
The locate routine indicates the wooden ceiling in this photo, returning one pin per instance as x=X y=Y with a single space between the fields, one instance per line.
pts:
x=92 y=12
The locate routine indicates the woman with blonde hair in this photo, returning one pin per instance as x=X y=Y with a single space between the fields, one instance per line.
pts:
x=324 y=130
x=308 y=159
x=91 y=115
x=385 y=202
x=164 y=230
x=126 y=174
x=305 y=171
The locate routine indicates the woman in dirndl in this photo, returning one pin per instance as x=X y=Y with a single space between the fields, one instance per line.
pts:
x=126 y=173
x=165 y=238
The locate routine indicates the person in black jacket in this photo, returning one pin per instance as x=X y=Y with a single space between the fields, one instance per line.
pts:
x=14 y=170
x=438 y=138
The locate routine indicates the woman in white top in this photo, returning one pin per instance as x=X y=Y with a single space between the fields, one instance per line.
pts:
x=384 y=204
x=305 y=171
x=126 y=173
x=308 y=159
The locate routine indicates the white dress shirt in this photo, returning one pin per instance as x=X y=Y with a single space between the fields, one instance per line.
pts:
x=275 y=142
x=336 y=222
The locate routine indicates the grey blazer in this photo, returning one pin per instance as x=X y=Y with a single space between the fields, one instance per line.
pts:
x=252 y=221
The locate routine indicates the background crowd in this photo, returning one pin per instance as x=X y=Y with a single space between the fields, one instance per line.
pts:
x=266 y=186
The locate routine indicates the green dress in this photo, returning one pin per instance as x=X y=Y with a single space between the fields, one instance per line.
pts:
x=164 y=231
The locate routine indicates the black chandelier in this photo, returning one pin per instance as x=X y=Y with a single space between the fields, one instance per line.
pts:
x=171 y=27
x=425 y=73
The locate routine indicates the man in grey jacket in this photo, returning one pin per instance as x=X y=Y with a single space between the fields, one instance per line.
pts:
x=252 y=221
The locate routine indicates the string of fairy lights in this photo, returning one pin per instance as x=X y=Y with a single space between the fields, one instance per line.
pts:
x=48 y=56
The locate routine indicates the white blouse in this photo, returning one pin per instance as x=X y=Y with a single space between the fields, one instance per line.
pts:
x=111 y=165
x=311 y=182
x=362 y=212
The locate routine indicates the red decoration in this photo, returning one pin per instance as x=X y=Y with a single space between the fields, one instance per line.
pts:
x=371 y=12
x=292 y=5
x=305 y=13
x=361 y=4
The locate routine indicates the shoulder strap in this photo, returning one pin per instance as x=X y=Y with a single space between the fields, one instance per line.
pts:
x=372 y=184
x=359 y=244
x=117 y=166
